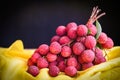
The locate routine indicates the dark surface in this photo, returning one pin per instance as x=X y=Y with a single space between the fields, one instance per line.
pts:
x=34 y=22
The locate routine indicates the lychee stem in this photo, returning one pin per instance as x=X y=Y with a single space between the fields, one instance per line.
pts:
x=95 y=15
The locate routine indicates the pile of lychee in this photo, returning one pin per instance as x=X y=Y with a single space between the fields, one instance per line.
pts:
x=73 y=48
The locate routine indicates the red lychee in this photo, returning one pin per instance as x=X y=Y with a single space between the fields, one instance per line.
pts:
x=42 y=63
x=72 y=33
x=64 y=40
x=82 y=30
x=61 y=30
x=71 y=25
x=53 y=71
x=92 y=30
x=55 y=47
x=88 y=55
x=102 y=38
x=55 y=38
x=51 y=57
x=70 y=71
x=43 y=49
x=66 y=51
x=33 y=70
x=108 y=44
x=72 y=61
x=86 y=65
x=62 y=66
x=90 y=42
x=78 y=47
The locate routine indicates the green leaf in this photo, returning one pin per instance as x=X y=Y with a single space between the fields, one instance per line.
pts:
x=99 y=29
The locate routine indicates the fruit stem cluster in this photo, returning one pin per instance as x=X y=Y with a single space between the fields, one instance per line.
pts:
x=95 y=15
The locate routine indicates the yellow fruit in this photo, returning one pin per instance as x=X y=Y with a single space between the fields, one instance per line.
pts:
x=17 y=50
x=113 y=53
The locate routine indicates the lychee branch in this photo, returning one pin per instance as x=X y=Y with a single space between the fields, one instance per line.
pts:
x=95 y=15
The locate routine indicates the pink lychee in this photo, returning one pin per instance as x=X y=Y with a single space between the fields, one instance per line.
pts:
x=90 y=42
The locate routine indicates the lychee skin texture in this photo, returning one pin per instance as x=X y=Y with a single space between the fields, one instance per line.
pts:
x=61 y=30
x=35 y=56
x=43 y=49
x=55 y=48
x=66 y=51
x=92 y=29
x=90 y=42
x=86 y=65
x=29 y=62
x=102 y=38
x=81 y=39
x=109 y=43
x=99 y=59
x=54 y=63
x=53 y=71
x=71 y=25
x=62 y=66
x=51 y=57
x=70 y=71
x=55 y=38
x=72 y=33
x=33 y=70
x=72 y=61
x=64 y=40
x=42 y=63
x=98 y=52
x=88 y=55
x=82 y=30
x=78 y=47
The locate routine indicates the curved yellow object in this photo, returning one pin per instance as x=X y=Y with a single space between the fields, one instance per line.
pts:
x=13 y=66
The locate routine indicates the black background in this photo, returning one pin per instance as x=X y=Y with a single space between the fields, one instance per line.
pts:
x=34 y=22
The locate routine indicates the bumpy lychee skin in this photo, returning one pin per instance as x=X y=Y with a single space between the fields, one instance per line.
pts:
x=29 y=62
x=54 y=63
x=51 y=57
x=109 y=43
x=33 y=70
x=66 y=51
x=102 y=38
x=88 y=55
x=55 y=48
x=78 y=47
x=86 y=65
x=42 y=63
x=62 y=66
x=72 y=61
x=81 y=39
x=35 y=56
x=72 y=33
x=98 y=52
x=92 y=29
x=55 y=38
x=99 y=59
x=43 y=49
x=53 y=71
x=90 y=42
x=71 y=25
x=70 y=71
x=61 y=30
x=64 y=40
x=82 y=30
